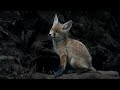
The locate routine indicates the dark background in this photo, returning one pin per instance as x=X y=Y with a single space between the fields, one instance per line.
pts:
x=26 y=49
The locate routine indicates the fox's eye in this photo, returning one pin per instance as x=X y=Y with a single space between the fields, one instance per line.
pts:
x=57 y=31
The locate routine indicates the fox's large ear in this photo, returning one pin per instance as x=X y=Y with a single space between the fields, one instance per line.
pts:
x=55 y=20
x=67 y=26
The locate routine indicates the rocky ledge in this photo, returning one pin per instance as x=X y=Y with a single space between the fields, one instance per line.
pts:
x=89 y=75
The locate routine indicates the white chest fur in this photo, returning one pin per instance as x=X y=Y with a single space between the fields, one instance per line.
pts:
x=56 y=45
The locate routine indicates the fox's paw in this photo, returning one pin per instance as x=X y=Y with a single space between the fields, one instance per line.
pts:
x=70 y=71
x=59 y=73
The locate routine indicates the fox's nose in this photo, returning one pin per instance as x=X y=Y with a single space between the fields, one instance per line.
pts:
x=49 y=34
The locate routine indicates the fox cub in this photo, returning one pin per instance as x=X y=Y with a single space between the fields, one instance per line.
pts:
x=70 y=51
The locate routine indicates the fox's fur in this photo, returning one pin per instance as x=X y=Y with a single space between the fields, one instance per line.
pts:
x=69 y=50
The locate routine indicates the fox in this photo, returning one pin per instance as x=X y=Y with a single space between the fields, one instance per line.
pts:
x=70 y=51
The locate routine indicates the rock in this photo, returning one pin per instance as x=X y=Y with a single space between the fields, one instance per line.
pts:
x=41 y=76
x=88 y=75
x=111 y=73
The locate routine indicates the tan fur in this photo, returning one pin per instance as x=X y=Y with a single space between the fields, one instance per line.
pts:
x=70 y=51
x=57 y=28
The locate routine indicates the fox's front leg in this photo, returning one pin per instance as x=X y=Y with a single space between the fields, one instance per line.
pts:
x=63 y=63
